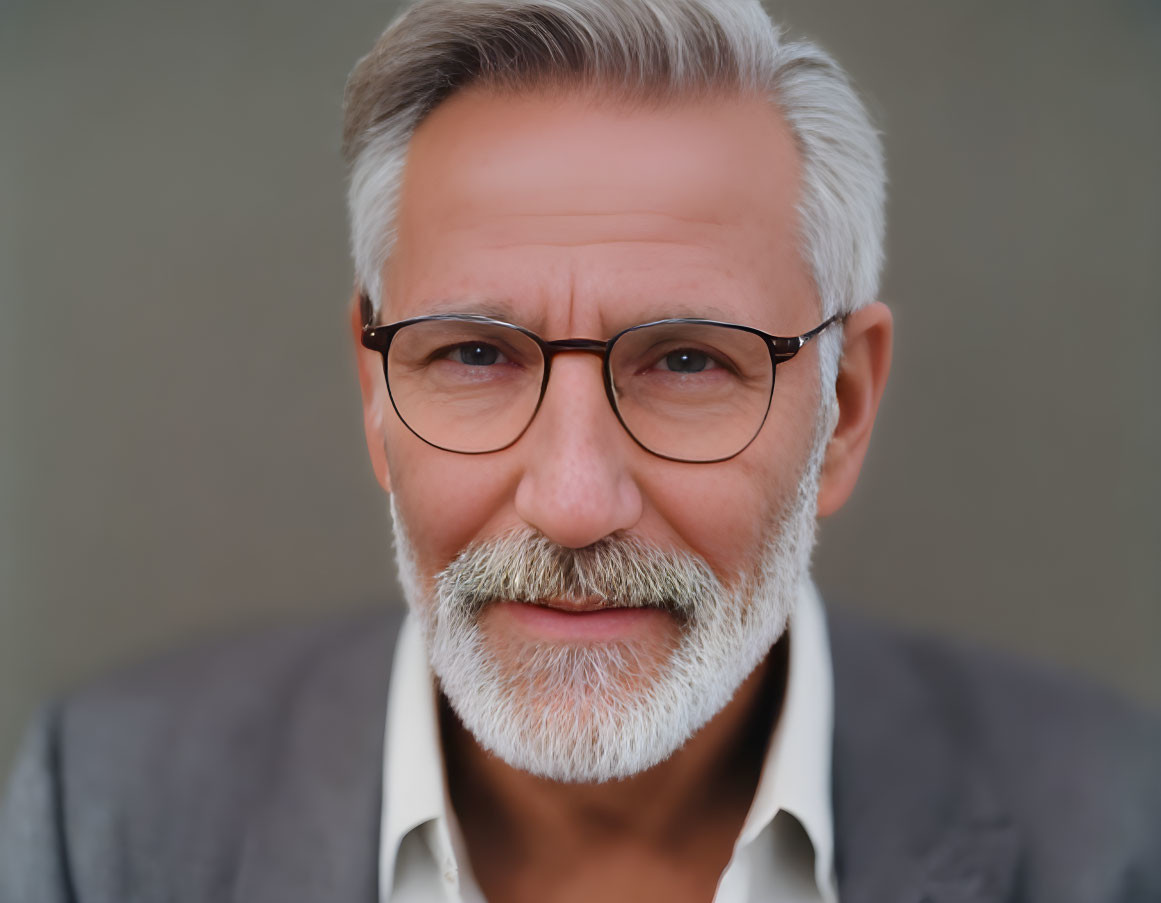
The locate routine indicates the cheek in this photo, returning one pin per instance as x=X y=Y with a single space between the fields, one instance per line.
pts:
x=446 y=500
x=724 y=512
x=723 y=519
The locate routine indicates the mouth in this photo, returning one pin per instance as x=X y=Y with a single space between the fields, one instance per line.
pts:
x=580 y=620
x=577 y=606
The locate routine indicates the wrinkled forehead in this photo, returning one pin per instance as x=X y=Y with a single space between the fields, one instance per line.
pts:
x=501 y=186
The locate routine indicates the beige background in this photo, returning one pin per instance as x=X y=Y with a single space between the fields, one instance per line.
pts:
x=181 y=447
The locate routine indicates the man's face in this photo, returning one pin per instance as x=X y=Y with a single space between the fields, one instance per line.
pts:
x=577 y=216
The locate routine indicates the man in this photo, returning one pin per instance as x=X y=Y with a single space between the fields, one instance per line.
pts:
x=616 y=265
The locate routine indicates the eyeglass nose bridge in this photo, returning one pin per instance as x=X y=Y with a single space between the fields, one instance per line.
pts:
x=591 y=346
x=599 y=347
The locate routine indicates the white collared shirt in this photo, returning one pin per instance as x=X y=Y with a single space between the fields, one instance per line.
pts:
x=785 y=850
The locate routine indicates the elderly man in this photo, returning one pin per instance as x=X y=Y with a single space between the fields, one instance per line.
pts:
x=616 y=268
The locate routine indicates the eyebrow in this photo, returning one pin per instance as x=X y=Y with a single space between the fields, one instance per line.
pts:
x=493 y=308
x=500 y=309
x=683 y=310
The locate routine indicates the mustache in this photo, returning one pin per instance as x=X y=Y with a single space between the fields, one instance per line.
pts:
x=526 y=566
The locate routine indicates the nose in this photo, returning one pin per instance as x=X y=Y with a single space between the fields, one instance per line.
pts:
x=577 y=486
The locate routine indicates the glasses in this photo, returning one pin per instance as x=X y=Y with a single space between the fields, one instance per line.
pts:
x=689 y=390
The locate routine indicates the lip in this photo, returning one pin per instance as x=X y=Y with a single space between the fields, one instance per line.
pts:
x=575 y=606
x=588 y=620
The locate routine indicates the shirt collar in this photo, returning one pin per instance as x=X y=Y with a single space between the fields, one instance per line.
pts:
x=795 y=777
x=414 y=784
x=796 y=773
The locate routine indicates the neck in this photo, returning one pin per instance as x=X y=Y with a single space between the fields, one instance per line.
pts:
x=702 y=791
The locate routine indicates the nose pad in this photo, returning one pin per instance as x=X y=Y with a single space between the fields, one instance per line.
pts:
x=577 y=486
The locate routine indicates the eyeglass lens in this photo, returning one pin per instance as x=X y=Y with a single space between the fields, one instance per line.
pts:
x=690 y=391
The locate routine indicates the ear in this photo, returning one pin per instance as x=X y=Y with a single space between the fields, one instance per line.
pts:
x=374 y=389
x=862 y=376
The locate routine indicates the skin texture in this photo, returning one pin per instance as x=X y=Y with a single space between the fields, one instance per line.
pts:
x=576 y=215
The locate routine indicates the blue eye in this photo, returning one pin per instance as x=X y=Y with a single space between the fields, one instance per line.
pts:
x=476 y=354
x=688 y=360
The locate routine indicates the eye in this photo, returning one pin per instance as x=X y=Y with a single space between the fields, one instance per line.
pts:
x=686 y=360
x=475 y=354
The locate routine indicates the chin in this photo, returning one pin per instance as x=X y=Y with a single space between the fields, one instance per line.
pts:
x=591 y=712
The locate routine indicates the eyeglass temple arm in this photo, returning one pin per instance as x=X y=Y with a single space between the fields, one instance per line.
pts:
x=785 y=349
x=374 y=337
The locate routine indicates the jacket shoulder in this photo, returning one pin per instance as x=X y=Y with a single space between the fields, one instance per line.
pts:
x=1076 y=767
x=161 y=769
x=245 y=682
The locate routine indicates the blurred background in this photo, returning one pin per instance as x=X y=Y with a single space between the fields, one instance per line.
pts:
x=180 y=437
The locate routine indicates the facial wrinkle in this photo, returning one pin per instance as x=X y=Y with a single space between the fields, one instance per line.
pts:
x=571 y=302
x=568 y=229
x=620 y=214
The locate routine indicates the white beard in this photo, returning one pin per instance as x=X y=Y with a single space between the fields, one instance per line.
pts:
x=594 y=712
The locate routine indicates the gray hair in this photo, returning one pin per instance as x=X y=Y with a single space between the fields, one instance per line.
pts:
x=647 y=49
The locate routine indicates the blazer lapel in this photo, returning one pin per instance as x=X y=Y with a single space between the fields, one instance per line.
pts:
x=315 y=837
x=917 y=819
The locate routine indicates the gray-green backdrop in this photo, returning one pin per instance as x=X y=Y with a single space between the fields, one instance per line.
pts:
x=181 y=448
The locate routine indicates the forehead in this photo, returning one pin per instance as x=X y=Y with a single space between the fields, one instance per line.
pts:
x=559 y=200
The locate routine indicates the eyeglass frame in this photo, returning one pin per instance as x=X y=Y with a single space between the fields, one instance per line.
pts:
x=781 y=348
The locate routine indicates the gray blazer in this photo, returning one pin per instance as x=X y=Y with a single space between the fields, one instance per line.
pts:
x=251 y=772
